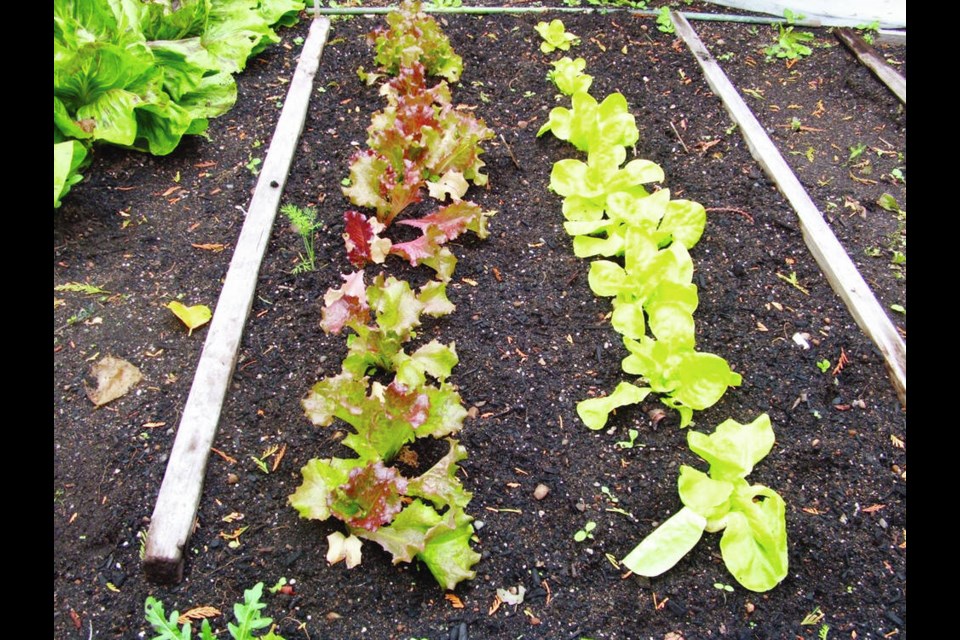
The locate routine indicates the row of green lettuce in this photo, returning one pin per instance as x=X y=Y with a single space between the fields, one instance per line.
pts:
x=142 y=75
x=643 y=238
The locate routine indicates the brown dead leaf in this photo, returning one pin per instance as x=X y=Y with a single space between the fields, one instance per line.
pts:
x=226 y=457
x=198 y=613
x=115 y=377
x=75 y=617
x=216 y=247
x=812 y=511
x=205 y=165
x=454 y=601
x=873 y=508
x=494 y=606
x=897 y=442
x=409 y=457
x=278 y=456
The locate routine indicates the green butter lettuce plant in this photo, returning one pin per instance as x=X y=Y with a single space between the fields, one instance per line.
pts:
x=751 y=517
x=555 y=36
x=569 y=77
x=421 y=517
x=142 y=75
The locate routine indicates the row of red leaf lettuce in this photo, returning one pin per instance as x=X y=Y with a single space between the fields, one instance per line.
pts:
x=419 y=142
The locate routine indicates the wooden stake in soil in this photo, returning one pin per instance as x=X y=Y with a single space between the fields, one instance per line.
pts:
x=872 y=60
x=823 y=244
x=179 y=497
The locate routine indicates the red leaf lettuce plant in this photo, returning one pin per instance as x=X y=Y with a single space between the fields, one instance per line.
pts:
x=419 y=141
x=421 y=517
x=388 y=396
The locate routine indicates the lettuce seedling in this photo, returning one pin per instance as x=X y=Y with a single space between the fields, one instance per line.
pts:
x=752 y=517
x=555 y=36
x=569 y=77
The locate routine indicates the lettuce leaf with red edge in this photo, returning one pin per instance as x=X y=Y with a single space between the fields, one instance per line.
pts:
x=370 y=498
x=414 y=36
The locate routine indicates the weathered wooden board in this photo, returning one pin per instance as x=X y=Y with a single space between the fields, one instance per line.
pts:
x=823 y=244
x=179 y=497
x=873 y=61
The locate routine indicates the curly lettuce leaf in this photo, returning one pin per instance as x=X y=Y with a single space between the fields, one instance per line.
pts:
x=320 y=480
x=413 y=36
x=370 y=498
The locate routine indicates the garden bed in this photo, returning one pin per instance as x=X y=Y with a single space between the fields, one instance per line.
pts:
x=532 y=341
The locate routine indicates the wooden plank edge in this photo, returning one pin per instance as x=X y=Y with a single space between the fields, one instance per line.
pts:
x=823 y=244
x=872 y=60
x=179 y=496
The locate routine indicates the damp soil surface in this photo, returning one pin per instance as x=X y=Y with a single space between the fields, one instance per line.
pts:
x=532 y=340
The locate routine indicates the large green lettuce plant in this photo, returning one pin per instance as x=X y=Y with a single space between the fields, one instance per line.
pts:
x=144 y=74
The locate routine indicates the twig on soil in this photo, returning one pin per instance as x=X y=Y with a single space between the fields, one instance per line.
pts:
x=510 y=152
x=731 y=210
x=679 y=138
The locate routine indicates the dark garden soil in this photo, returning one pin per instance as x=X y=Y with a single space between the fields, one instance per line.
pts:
x=532 y=340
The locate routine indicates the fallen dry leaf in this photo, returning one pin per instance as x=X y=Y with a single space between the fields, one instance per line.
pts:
x=115 y=377
x=216 y=247
x=454 y=601
x=198 y=613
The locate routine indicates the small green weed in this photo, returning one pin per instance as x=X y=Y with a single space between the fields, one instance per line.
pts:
x=664 y=21
x=790 y=44
x=792 y=279
x=868 y=31
x=247 y=614
x=586 y=532
x=305 y=223
x=856 y=151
